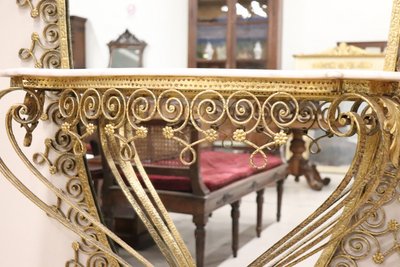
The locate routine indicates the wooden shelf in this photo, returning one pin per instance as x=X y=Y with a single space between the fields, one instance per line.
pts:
x=251 y=63
x=211 y=23
x=211 y=61
x=250 y=60
x=240 y=63
x=252 y=22
x=239 y=36
x=239 y=22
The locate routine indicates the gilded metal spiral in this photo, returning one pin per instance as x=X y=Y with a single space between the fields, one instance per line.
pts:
x=80 y=220
x=113 y=107
x=97 y=260
x=52 y=36
x=280 y=109
x=75 y=190
x=85 y=246
x=307 y=113
x=358 y=245
x=48 y=11
x=90 y=107
x=173 y=108
x=66 y=164
x=69 y=107
x=141 y=107
x=342 y=261
x=244 y=110
x=208 y=108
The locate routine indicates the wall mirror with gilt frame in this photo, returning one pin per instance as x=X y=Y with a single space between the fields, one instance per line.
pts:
x=126 y=51
x=63 y=153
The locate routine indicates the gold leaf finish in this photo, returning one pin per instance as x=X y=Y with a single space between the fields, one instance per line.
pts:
x=392 y=126
x=348 y=228
x=121 y=115
x=50 y=50
x=392 y=50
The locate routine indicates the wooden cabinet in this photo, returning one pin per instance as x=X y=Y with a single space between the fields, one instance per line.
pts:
x=78 y=42
x=234 y=34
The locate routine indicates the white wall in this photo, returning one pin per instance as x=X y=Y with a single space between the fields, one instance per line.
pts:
x=311 y=26
x=28 y=236
x=163 y=25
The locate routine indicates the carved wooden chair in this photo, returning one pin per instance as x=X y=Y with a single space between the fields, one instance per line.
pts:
x=217 y=178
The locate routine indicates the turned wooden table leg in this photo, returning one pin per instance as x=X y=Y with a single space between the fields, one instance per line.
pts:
x=260 y=201
x=299 y=166
x=200 y=234
x=235 y=214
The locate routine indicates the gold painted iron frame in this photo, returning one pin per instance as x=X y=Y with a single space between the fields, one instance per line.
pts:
x=251 y=104
x=377 y=128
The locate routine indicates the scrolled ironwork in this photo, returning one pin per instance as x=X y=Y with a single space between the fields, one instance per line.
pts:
x=358 y=244
x=77 y=218
x=355 y=211
x=342 y=261
x=51 y=52
x=74 y=189
x=141 y=107
x=97 y=259
x=121 y=115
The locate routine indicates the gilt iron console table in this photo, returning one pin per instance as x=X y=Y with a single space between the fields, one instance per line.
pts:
x=356 y=223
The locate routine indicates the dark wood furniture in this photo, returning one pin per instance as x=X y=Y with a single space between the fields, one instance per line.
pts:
x=198 y=189
x=234 y=34
x=78 y=35
x=299 y=166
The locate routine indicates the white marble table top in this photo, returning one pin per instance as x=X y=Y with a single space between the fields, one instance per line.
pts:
x=279 y=74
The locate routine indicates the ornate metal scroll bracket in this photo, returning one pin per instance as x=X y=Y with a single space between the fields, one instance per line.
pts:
x=49 y=43
x=392 y=127
x=27 y=115
x=75 y=205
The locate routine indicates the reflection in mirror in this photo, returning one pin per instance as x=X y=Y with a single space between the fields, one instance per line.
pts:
x=309 y=26
x=162 y=24
x=126 y=51
x=125 y=58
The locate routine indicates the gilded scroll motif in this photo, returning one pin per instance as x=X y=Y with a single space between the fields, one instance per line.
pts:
x=49 y=44
x=208 y=109
x=122 y=117
x=348 y=226
x=78 y=214
x=51 y=51
x=205 y=112
x=392 y=53
x=62 y=156
x=370 y=240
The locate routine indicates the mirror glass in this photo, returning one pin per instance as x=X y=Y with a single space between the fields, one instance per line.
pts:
x=163 y=25
x=125 y=58
x=308 y=27
x=126 y=51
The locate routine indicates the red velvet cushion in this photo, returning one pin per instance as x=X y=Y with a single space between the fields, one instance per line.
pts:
x=217 y=170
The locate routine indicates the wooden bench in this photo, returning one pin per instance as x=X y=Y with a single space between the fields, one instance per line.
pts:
x=218 y=177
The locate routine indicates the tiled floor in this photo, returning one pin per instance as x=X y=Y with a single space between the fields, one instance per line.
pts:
x=298 y=201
